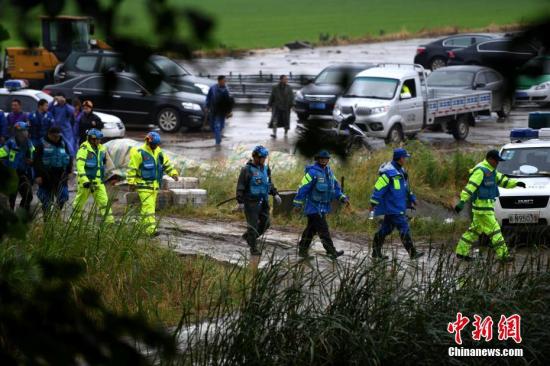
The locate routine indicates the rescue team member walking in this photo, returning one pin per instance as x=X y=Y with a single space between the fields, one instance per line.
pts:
x=281 y=100
x=18 y=154
x=147 y=166
x=391 y=198
x=219 y=104
x=52 y=165
x=39 y=122
x=317 y=190
x=253 y=189
x=90 y=166
x=482 y=190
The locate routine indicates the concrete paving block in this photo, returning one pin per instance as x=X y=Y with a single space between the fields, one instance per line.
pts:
x=194 y=197
x=182 y=183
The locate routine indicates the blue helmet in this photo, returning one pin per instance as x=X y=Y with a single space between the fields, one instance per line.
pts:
x=153 y=138
x=400 y=153
x=260 y=151
x=21 y=126
x=93 y=132
x=323 y=154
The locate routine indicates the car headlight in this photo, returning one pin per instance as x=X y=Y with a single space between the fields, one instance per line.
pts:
x=203 y=87
x=109 y=125
x=299 y=95
x=377 y=110
x=191 y=106
x=542 y=86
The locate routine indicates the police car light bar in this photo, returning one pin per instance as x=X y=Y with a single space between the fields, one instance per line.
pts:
x=13 y=85
x=523 y=134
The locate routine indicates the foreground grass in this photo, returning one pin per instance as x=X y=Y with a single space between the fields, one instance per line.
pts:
x=132 y=272
x=244 y=24
x=365 y=313
x=435 y=177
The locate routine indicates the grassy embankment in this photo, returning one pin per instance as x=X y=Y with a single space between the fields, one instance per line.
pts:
x=435 y=177
x=245 y=24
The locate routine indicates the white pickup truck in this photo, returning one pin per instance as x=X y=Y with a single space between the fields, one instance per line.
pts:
x=392 y=101
x=527 y=160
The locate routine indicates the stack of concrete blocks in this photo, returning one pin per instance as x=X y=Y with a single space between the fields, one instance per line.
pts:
x=185 y=191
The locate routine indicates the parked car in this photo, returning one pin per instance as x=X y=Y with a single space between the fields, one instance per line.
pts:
x=533 y=84
x=472 y=77
x=81 y=63
x=166 y=106
x=318 y=97
x=112 y=125
x=434 y=55
x=393 y=101
x=497 y=53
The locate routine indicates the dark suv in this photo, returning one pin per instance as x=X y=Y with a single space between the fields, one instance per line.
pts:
x=318 y=97
x=97 y=61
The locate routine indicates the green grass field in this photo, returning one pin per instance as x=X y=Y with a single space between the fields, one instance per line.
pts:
x=271 y=23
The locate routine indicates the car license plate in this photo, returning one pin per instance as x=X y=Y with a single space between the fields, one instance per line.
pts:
x=317 y=105
x=532 y=218
x=521 y=94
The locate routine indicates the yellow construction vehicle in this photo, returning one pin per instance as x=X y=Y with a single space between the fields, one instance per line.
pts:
x=60 y=36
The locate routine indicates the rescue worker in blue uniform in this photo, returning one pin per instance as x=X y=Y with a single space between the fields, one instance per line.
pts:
x=62 y=113
x=53 y=165
x=39 y=122
x=392 y=197
x=316 y=192
x=253 y=189
x=18 y=154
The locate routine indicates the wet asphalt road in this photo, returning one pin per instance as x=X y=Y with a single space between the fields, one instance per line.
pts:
x=249 y=128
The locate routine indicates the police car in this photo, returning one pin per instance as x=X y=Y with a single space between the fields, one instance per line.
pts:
x=528 y=160
x=18 y=89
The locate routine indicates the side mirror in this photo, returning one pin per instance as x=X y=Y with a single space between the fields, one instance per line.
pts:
x=405 y=96
x=480 y=85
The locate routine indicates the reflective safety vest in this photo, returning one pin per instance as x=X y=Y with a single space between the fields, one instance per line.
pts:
x=488 y=189
x=55 y=156
x=90 y=162
x=259 y=182
x=149 y=169
x=323 y=190
x=16 y=158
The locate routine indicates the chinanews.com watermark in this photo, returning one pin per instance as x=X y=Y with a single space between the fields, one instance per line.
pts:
x=508 y=328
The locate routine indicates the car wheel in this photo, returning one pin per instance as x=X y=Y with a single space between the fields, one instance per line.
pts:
x=461 y=128
x=506 y=108
x=437 y=62
x=395 y=135
x=302 y=116
x=169 y=120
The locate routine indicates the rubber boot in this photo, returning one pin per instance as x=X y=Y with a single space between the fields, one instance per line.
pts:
x=409 y=246
x=377 y=243
x=331 y=250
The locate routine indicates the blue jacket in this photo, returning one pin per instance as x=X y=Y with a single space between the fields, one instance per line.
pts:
x=3 y=125
x=16 y=156
x=216 y=95
x=392 y=194
x=63 y=118
x=39 y=125
x=317 y=190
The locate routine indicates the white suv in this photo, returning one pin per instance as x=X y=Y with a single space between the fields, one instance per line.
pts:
x=529 y=162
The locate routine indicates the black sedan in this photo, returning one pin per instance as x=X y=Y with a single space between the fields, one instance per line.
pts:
x=501 y=54
x=473 y=77
x=318 y=97
x=134 y=104
x=434 y=55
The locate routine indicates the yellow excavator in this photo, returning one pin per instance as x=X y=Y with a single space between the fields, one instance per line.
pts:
x=60 y=36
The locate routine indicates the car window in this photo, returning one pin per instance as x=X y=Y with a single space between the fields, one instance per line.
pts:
x=523 y=48
x=481 y=78
x=463 y=41
x=111 y=63
x=28 y=104
x=125 y=85
x=411 y=86
x=5 y=103
x=86 y=63
x=372 y=87
x=494 y=46
x=492 y=77
x=481 y=39
x=450 y=78
x=93 y=83
x=538 y=157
